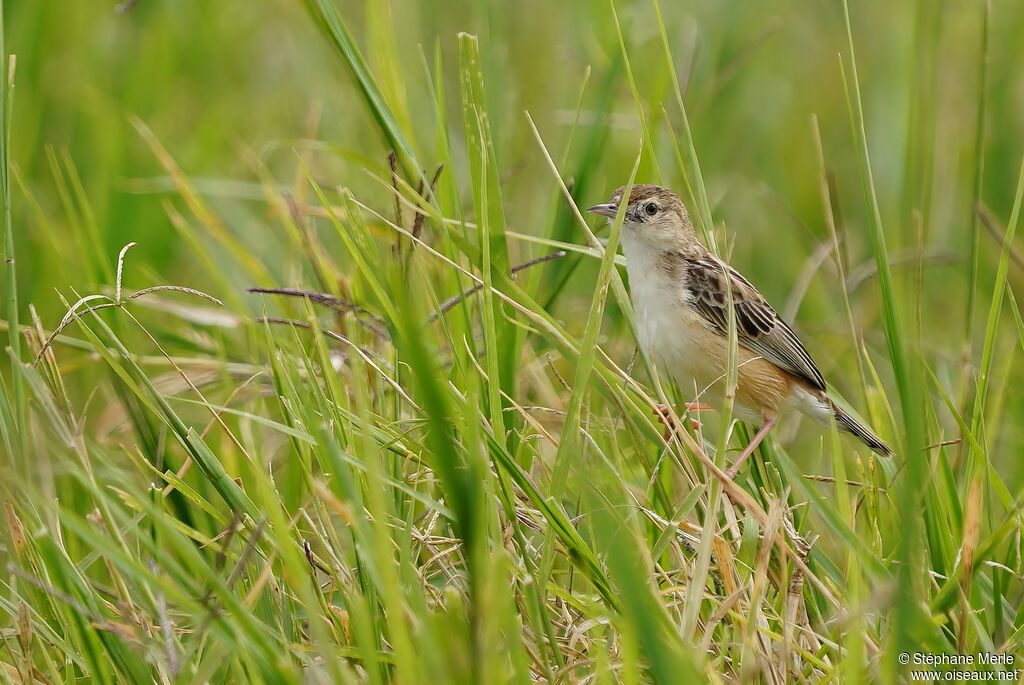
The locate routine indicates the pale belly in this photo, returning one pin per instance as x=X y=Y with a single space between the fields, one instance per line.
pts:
x=680 y=344
x=681 y=351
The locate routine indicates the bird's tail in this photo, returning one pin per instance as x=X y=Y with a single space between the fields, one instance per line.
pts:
x=851 y=425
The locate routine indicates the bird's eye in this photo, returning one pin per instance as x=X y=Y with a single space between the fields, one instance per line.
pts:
x=651 y=209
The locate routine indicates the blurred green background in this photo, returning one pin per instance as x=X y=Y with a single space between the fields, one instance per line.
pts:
x=217 y=82
x=223 y=85
x=245 y=95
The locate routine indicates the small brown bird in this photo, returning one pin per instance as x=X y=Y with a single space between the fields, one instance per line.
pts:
x=679 y=292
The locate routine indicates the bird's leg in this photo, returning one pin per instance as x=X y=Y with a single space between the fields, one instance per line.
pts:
x=769 y=423
x=665 y=415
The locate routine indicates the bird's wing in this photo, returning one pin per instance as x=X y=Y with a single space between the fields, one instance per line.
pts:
x=759 y=328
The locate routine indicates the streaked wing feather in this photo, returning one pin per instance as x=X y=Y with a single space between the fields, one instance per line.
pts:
x=758 y=327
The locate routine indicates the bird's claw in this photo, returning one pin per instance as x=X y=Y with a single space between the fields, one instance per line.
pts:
x=665 y=415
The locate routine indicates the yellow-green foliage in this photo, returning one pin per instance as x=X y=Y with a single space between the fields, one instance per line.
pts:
x=423 y=449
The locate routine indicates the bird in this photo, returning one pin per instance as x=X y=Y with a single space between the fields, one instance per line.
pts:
x=681 y=292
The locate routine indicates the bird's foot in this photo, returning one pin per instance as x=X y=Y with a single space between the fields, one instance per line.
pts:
x=761 y=434
x=665 y=415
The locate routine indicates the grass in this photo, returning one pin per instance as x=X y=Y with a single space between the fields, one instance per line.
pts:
x=362 y=404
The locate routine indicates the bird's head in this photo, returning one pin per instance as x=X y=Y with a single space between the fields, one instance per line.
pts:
x=654 y=214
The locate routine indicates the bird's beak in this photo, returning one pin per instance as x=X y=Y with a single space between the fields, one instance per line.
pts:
x=608 y=209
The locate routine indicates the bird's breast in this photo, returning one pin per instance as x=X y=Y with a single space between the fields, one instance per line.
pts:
x=668 y=329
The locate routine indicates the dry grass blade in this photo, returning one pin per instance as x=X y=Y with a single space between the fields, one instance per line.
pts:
x=78 y=309
x=991 y=224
